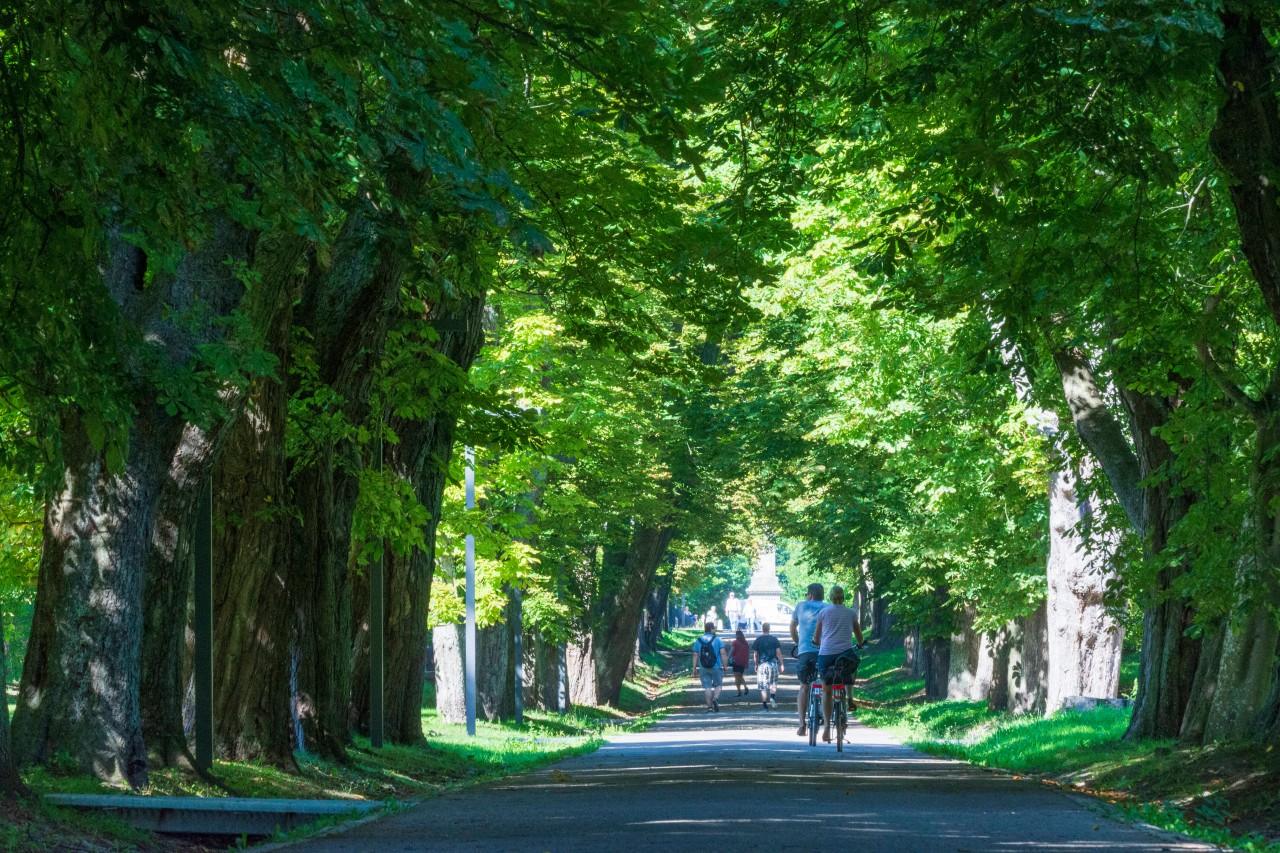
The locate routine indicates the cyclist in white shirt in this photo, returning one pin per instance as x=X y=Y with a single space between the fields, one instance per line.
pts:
x=833 y=635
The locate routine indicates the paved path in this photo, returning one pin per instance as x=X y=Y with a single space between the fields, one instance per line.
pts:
x=741 y=780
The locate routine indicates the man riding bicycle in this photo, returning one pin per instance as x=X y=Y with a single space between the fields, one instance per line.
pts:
x=833 y=635
x=803 y=621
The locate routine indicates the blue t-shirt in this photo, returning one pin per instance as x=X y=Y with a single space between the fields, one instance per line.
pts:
x=715 y=644
x=806 y=616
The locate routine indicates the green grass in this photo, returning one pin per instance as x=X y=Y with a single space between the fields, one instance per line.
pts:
x=1222 y=794
x=392 y=774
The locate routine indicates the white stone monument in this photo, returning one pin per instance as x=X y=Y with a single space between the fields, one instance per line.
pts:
x=764 y=589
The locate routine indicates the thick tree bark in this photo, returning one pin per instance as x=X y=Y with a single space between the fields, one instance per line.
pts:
x=970 y=662
x=936 y=660
x=1246 y=140
x=619 y=606
x=493 y=672
x=542 y=672
x=449 y=643
x=1084 y=638
x=1246 y=669
x=254 y=615
x=80 y=693
x=580 y=671
x=1170 y=656
x=348 y=315
x=1031 y=669
x=1204 y=688
x=1020 y=665
x=256 y=486
x=912 y=656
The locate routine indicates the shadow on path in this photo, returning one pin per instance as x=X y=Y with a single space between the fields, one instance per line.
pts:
x=743 y=778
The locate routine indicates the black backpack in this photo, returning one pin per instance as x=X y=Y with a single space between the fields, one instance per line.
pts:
x=707 y=653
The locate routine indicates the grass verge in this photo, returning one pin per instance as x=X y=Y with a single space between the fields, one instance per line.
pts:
x=392 y=774
x=1224 y=794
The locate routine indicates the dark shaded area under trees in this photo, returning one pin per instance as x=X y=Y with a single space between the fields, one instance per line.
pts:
x=973 y=307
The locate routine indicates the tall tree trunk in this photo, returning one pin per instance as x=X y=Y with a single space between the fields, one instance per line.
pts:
x=1204 y=688
x=542 y=671
x=256 y=487
x=581 y=671
x=1246 y=140
x=1084 y=638
x=970 y=663
x=80 y=690
x=449 y=643
x=254 y=614
x=1020 y=664
x=1170 y=655
x=936 y=660
x=347 y=315
x=618 y=610
x=912 y=655
x=421 y=456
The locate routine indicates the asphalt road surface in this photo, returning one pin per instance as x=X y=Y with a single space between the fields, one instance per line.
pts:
x=742 y=780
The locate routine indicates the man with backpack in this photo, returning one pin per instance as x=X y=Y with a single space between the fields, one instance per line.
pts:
x=709 y=665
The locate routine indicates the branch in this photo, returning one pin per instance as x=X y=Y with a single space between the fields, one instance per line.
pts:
x=1229 y=387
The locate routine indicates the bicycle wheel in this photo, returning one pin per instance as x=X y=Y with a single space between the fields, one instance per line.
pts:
x=840 y=725
x=813 y=718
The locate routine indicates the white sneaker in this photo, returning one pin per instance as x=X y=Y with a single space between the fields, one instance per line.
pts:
x=773 y=703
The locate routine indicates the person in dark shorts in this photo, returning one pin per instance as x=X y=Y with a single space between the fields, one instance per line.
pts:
x=709 y=665
x=834 y=633
x=768 y=656
x=739 y=657
x=803 y=622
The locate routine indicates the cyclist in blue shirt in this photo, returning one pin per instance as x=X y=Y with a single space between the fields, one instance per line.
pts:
x=803 y=622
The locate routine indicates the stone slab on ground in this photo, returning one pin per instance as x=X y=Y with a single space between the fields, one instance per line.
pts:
x=233 y=816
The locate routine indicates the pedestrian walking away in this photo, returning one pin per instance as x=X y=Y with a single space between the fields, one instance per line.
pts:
x=739 y=657
x=709 y=664
x=733 y=612
x=803 y=621
x=834 y=632
x=768 y=656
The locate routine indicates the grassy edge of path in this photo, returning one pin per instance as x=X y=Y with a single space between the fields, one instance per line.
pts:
x=1227 y=795
x=395 y=775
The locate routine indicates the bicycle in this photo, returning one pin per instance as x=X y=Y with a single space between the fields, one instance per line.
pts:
x=843 y=672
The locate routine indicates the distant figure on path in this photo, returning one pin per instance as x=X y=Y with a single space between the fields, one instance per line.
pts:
x=768 y=655
x=803 y=622
x=686 y=617
x=740 y=656
x=750 y=613
x=708 y=664
x=733 y=612
x=834 y=634
x=713 y=617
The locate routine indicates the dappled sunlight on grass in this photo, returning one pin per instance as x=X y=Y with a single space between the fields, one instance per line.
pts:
x=1218 y=794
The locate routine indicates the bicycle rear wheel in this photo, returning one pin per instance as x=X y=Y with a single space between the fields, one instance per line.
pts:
x=813 y=719
x=840 y=726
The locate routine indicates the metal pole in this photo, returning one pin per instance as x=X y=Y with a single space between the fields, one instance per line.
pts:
x=377 y=638
x=562 y=677
x=470 y=650
x=203 y=664
x=517 y=626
